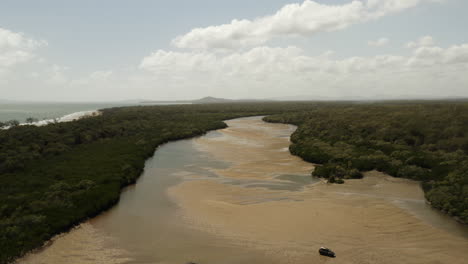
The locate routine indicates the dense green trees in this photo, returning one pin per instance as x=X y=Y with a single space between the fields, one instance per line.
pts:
x=30 y=120
x=425 y=141
x=10 y=123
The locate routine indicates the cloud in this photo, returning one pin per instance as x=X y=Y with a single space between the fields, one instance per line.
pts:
x=21 y=67
x=378 y=43
x=270 y=61
x=15 y=48
x=425 y=41
x=100 y=75
x=266 y=71
x=428 y=56
x=303 y=19
x=165 y=61
x=260 y=72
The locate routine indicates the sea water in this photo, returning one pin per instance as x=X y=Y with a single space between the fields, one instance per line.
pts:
x=47 y=111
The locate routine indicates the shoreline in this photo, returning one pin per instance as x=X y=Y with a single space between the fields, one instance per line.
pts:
x=66 y=118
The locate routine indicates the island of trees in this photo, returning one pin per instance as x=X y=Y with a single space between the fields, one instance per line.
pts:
x=54 y=177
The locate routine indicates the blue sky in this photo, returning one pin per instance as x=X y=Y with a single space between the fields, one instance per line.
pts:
x=116 y=50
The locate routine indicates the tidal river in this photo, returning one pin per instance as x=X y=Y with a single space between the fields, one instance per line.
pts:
x=238 y=196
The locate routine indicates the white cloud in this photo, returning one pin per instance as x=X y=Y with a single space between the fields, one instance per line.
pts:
x=93 y=80
x=55 y=75
x=379 y=8
x=100 y=75
x=378 y=43
x=425 y=41
x=270 y=61
x=165 y=61
x=260 y=72
x=303 y=19
x=266 y=72
x=13 y=40
x=15 y=48
x=427 y=56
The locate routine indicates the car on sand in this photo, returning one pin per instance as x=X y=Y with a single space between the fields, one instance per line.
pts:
x=327 y=252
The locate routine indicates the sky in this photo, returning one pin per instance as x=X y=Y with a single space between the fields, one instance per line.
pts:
x=111 y=50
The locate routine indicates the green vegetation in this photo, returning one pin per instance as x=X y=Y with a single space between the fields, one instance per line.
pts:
x=30 y=120
x=10 y=123
x=54 y=177
x=427 y=142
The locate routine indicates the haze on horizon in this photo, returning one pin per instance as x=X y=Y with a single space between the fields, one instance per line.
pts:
x=107 y=50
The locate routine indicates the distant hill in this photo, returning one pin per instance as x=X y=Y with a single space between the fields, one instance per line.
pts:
x=204 y=100
x=211 y=100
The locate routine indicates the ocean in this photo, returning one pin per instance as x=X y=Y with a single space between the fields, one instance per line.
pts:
x=47 y=111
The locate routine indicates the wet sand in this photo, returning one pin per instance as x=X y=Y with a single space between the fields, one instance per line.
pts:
x=361 y=220
x=238 y=196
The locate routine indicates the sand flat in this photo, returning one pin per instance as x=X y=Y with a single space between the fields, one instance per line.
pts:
x=83 y=244
x=359 y=219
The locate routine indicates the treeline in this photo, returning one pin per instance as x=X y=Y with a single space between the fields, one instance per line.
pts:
x=10 y=123
x=14 y=122
x=55 y=176
x=427 y=142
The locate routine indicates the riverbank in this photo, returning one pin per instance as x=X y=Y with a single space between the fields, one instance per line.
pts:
x=363 y=220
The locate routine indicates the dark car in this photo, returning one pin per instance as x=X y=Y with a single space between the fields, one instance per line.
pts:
x=327 y=252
